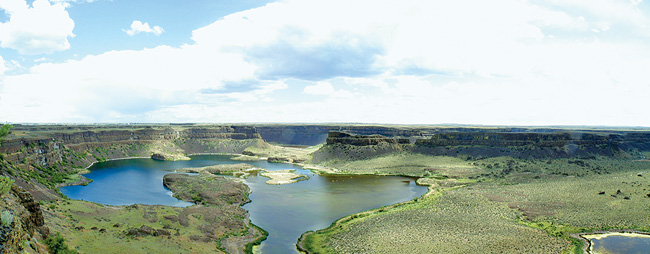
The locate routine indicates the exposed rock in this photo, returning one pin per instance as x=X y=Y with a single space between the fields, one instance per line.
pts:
x=158 y=157
x=279 y=160
x=145 y=230
x=168 y=157
x=335 y=137
x=283 y=177
x=27 y=224
x=64 y=148
x=238 y=170
x=161 y=232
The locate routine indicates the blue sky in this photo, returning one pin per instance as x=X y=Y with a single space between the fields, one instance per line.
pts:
x=502 y=62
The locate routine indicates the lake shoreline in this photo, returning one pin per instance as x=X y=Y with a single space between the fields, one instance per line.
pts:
x=319 y=170
x=587 y=244
x=300 y=244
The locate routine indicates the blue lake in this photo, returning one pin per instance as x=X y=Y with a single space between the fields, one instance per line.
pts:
x=285 y=211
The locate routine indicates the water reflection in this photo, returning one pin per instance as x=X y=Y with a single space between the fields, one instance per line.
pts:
x=285 y=211
x=620 y=243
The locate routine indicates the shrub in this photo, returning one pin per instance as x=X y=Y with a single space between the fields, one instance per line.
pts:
x=4 y=130
x=5 y=185
x=56 y=244
x=7 y=218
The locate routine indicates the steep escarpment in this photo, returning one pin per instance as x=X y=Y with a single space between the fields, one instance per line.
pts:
x=310 y=135
x=481 y=144
x=41 y=157
x=536 y=145
x=22 y=227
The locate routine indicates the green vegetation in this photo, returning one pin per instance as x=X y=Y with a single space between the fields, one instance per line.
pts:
x=56 y=244
x=207 y=189
x=457 y=221
x=559 y=230
x=95 y=228
x=504 y=205
x=48 y=176
x=4 y=130
x=406 y=164
x=5 y=185
x=248 y=249
x=501 y=167
x=619 y=200
x=477 y=202
x=7 y=218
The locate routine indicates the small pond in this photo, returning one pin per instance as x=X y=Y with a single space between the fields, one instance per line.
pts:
x=285 y=211
x=619 y=243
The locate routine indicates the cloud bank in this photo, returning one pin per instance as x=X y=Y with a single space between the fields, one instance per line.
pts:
x=467 y=61
x=42 y=28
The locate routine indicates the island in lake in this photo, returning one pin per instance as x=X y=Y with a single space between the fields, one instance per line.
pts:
x=322 y=188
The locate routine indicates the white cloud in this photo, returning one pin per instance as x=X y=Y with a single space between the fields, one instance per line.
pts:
x=464 y=61
x=73 y=1
x=320 y=88
x=3 y=67
x=41 y=29
x=139 y=27
x=42 y=59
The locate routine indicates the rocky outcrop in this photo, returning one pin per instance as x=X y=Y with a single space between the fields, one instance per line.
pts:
x=26 y=226
x=481 y=144
x=168 y=157
x=558 y=139
x=238 y=170
x=145 y=230
x=336 y=137
x=46 y=154
x=317 y=134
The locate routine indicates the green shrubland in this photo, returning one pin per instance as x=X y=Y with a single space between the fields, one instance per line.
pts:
x=505 y=205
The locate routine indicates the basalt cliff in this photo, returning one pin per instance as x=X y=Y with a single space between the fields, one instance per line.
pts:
x=481 y=143
x=40 y=158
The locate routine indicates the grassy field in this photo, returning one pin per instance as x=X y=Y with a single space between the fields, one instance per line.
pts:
x=619 y=200
x=511 y=206
x=458 y=221
x=95 y=228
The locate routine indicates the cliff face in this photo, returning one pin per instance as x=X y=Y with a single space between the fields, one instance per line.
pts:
x=27 y=227
x=39 y=157
x=362 y=140
x=494 y=144
x=342 y=146
x=520 y=139
x=317 y=134
x=294 y=135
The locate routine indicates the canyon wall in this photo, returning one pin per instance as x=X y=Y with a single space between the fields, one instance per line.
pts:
x=40 y=157
x=482 y=144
